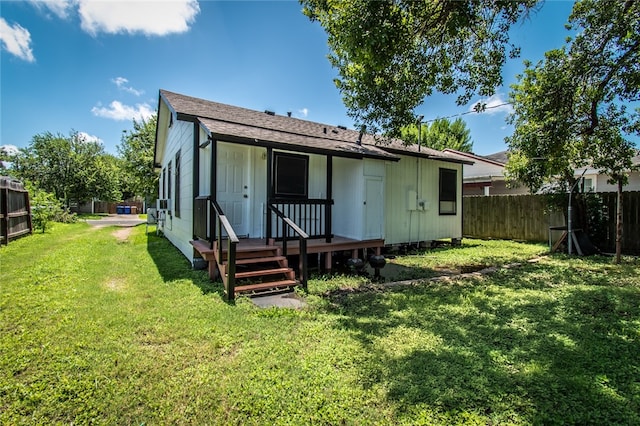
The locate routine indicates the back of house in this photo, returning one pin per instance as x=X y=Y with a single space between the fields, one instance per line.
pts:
x=336 y=184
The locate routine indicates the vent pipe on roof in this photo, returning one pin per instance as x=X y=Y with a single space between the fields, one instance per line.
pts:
x=288 y=113
x=266 y=111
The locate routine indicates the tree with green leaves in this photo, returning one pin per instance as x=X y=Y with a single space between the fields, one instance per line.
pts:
x=440 y=134
x=71 y=167
x=570 y=110
x=45 y=207
x=136 y=152
x=7 y=152
x=391 y=54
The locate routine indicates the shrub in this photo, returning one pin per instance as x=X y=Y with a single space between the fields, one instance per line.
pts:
x=44 y=207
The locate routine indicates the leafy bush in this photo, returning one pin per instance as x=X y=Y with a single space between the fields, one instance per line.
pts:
x=45 y=207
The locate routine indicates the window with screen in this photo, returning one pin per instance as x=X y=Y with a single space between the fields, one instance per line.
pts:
x=177 y=185
x=448 y=191
x=290 y=175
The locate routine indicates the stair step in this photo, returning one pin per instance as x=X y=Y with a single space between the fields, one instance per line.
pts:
x=265 y=286
x=250 y=260
x=250 y=254
x=262 y=272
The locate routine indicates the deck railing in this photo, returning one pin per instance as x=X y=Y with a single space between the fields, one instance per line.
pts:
x=232 y=242
x=290 y=228
x=209 y=216
x=313 y=216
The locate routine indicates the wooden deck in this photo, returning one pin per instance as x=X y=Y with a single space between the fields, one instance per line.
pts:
x=313 y=246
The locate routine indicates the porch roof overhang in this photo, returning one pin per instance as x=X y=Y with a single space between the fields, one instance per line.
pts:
x=259 y=136
x=423 y=152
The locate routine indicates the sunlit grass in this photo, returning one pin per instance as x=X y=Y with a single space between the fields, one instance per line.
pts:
x=99 y=330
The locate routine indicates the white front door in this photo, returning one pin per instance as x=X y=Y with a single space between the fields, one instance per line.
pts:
x=373 y=207
x=233 y=185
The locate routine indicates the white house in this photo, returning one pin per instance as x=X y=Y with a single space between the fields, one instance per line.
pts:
x=220 y=164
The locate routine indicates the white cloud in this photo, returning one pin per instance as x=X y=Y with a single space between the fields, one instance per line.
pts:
x=86 y=137
x=121 y=82
x=494 y=105
x=152 y=18
x=119 y=112
x=16 y=40
x=304 y=112
x=60 y=8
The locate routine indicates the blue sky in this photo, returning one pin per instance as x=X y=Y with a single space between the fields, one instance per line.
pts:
x=94 y=66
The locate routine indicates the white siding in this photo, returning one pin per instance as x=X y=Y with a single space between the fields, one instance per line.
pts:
x=633 y=185
x=411 y=184
x=348 y=183
x=179 y=230
x=258 y=194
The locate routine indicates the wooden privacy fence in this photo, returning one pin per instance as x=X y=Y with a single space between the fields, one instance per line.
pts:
x=526 y=217
x=630 y=222
x=112 y=208
x=15 y=212
x=508 y=217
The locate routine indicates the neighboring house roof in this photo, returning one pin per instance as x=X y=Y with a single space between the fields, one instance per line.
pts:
x=236 y=124
x=483 y=168
x=499 y=157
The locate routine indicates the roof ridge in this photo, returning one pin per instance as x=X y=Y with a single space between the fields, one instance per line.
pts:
x=274 y=119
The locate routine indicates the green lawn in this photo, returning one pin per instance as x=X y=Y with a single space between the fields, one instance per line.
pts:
x=95 y=329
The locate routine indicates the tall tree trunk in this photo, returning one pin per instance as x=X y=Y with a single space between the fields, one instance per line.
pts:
x=619 y=223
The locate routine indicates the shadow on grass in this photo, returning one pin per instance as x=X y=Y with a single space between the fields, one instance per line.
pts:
x=520 y=348
x=172 y=265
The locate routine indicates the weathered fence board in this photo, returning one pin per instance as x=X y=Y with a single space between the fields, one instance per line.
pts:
x=630 y=222
x=510 y=217
x=111 y=208
x=15 y=212
x=526 y=217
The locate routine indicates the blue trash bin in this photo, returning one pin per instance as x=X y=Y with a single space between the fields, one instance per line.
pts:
x=127 y=209
x=119 y=209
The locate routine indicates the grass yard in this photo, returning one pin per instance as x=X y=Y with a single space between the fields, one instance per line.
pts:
x=115 y=329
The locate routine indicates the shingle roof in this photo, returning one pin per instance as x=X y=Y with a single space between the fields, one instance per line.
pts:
x=257 y=127
x=500 y=157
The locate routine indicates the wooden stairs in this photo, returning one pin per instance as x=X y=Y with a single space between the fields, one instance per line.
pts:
x=259 y=269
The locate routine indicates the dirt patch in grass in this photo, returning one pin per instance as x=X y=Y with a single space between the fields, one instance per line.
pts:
x=114 y=284
x=122 y=234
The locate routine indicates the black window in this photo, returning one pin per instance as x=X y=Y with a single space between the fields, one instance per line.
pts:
x=448 y=191
x=164 y=180
x=169 y=182
x=290 y=175
x=177 y=185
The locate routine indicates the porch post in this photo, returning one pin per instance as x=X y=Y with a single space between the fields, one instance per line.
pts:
x=269 y=180
x=213 y=190
x=327 y=218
